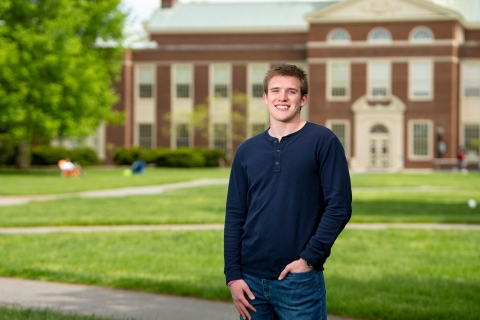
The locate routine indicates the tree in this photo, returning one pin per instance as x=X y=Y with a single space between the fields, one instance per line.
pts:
x=56 y=72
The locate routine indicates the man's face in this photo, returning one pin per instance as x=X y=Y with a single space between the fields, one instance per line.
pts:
x=284 y=99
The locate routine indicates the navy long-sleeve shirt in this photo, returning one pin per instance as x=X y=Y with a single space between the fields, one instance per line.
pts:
x=286 y=200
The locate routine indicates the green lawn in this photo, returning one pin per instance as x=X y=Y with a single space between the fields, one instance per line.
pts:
x=372 y=274
x=204 y=205
x=11 y=313
x=48 y=181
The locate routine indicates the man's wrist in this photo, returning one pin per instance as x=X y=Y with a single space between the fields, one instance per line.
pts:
x=230 y=282
x=308 y=264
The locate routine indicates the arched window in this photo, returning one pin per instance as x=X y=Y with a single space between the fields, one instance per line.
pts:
x=379 y=128
x=421 y=34
x=338 y=36
x=379 y=35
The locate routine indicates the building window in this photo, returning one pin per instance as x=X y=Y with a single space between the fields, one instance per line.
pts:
x=257 y=128
x=421 y=80
x=421 y=35
x=182 y=135
x=379 y=35
x=338 y=36
x=420 y=143
x=220 y=136
x=471 y=80
x=339 y=80
x=257 y=75
x=471 y=133
x=379 y=80
x=183 y=80
x=221 y=81
x=341 y=128
x=145 y=136
x=145 y=82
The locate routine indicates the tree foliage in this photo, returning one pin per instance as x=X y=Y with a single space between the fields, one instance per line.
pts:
x=56 y=72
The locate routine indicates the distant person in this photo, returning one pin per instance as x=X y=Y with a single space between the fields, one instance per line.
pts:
x=289 y=197
x=66 y=167
x=461 y=155
x=69 y=169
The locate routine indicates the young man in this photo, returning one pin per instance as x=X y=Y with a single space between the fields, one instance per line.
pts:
x=289 y=197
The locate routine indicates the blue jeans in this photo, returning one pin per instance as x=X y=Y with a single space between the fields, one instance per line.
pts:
x=300 y=296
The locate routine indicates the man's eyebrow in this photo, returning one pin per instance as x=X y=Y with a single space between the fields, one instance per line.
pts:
x=276 y=88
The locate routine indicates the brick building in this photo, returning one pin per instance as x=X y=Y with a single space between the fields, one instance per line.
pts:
x=398 y=81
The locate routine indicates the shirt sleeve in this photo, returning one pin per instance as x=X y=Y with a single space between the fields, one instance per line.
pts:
x=235 y=217
x=337 y=194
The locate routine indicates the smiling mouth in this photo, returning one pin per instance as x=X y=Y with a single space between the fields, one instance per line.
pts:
x=282 y=107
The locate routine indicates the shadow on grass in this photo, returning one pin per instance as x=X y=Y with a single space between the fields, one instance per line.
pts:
x=410 y=211
x=404 y=297
x=48 y=171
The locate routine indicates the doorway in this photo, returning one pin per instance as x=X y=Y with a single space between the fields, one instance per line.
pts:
x=379 y=147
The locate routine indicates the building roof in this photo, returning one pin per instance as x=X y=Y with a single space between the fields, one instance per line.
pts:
x=263 y=16
x=234 y=16
x=469 y=9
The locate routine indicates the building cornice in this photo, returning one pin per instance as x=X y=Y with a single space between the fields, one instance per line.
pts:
x=154 y=31
x=395 y=43
x=362 y=60
x=228 y=47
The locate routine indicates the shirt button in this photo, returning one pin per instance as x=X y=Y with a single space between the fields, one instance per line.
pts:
x=277 y=163
x=278 y=150
x=275 y=141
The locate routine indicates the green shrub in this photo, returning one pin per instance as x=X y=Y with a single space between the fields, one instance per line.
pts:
x=84 y=156
x=212 y=156
x=185 y=158
x=48 y=155
x=127 y=155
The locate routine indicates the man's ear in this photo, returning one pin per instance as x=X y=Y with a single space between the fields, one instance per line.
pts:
x=304 y=100
x=265 y=98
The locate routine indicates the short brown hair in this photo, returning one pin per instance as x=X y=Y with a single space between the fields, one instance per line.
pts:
x=287 y=70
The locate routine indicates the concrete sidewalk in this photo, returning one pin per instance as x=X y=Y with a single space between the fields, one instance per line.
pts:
x=121 y=304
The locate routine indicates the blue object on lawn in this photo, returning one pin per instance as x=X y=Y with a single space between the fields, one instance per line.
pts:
x=138 y=167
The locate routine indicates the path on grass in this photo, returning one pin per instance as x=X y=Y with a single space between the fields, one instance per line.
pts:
x=158 y=189
x=199 y=227
x=112 y=193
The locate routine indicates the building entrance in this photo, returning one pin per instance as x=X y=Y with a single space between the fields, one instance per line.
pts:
x=379 y=147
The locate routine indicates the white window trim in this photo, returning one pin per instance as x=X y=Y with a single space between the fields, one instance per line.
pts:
x=137 y=81
x=174 y=134
x=173 y=87
x=389 y=88
x=211 y=89
x=421 y=41
x=250 y=78
x=381 y=41
x=410 y=82
x=331 y=122
x=338 y=42
x=329 y=84
x=462 y=79
x=411 y=155
x=137 y=134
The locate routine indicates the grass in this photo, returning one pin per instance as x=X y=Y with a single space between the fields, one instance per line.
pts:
x=11 y=313
x=204 y=205
x=439 y=197
x=48 y=181
x=374 y=274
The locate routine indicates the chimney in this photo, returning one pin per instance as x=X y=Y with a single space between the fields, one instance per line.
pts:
x=167 y=3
